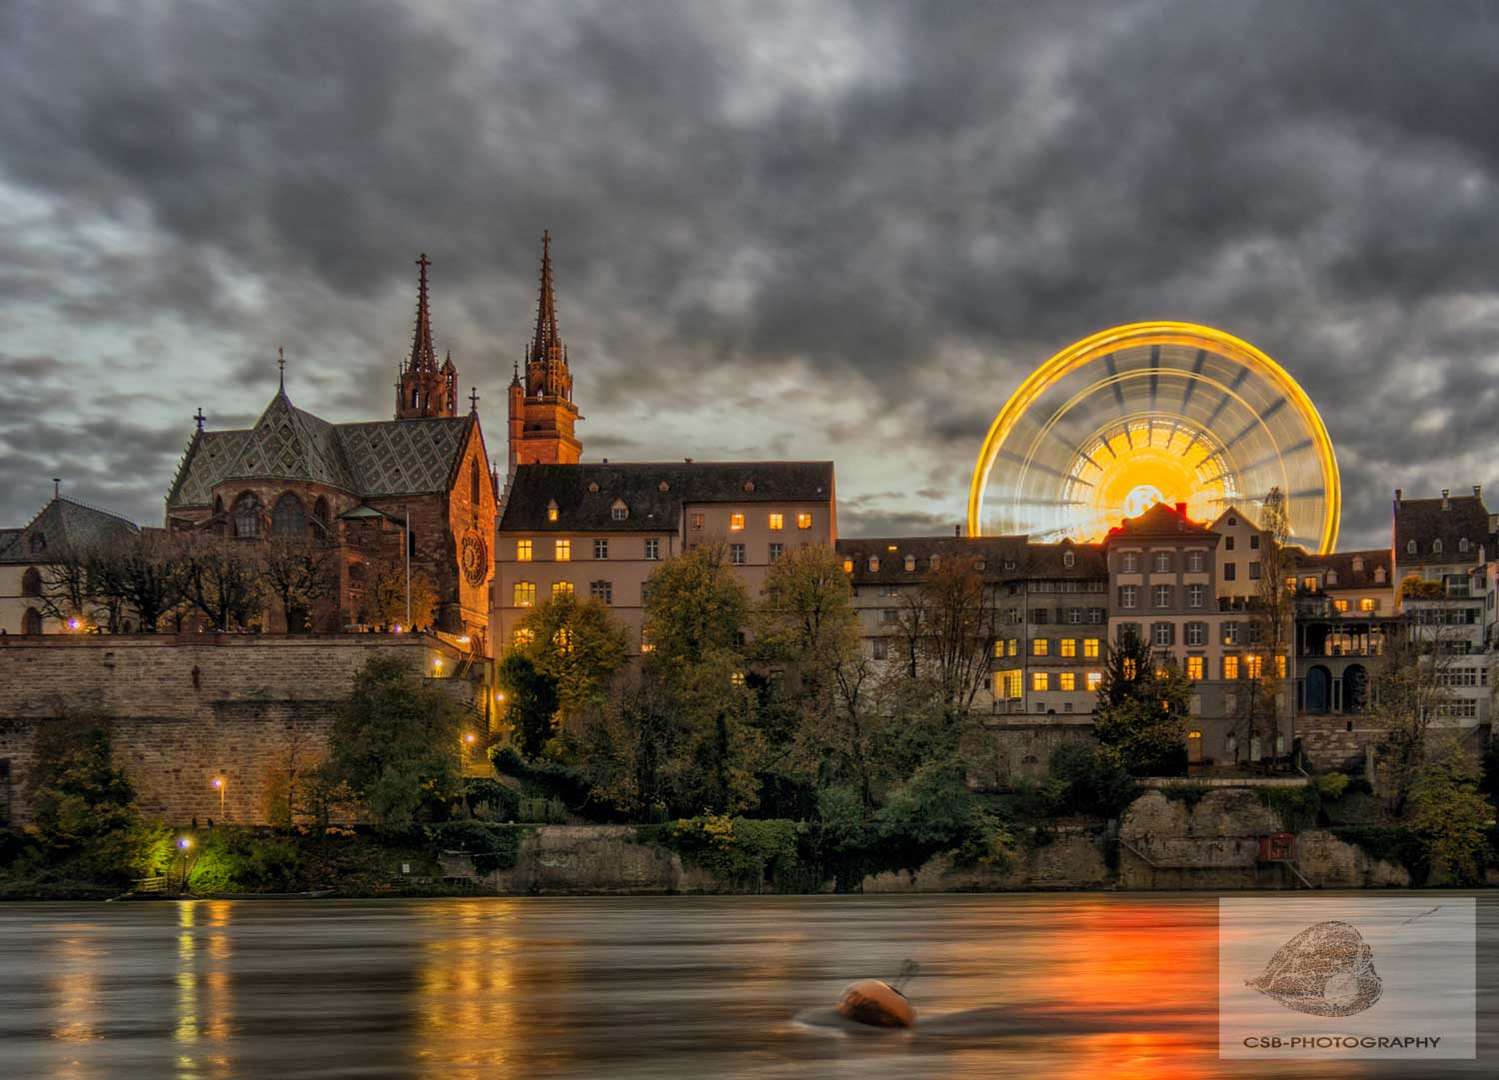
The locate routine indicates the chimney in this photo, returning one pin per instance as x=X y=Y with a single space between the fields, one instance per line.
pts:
x=1398 y=494
x=57 y=487
x=1446 y=505
x=1477 y=491
x=957 y=531
x=1181 y=510
x=606 y=461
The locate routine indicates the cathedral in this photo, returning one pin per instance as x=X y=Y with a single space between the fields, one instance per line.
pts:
x=418 y=487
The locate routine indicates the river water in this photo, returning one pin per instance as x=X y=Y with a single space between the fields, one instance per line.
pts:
x=1120 y=986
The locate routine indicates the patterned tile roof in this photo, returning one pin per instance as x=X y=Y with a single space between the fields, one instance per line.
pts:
x=64 y=526
x=384 y=457
x=653 y=492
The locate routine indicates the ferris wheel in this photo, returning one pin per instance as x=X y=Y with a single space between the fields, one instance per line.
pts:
x=1154 y=412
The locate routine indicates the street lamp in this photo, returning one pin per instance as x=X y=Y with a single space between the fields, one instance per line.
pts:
x=222 y=785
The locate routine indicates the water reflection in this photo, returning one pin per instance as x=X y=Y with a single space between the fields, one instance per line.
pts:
x=1123 y=987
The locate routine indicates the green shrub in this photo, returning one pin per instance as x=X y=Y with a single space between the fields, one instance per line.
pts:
x=740 y=850
x=1332 y=785
x=491 y=800
x=491 y=846
x=1299 y=807
x=1392 y=843
x=1090 y=782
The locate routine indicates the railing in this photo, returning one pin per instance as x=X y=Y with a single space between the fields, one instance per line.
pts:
x=155 y=884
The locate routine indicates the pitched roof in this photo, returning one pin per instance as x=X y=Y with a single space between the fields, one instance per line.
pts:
x=383 y=457
x=1159 y=520
x=8 y=537
x=653 y=492
x=1425 y=521
x=1004 y=558
x=64 y=526
x=1350 y=576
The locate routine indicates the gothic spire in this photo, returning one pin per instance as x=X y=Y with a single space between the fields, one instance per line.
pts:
x=423 y=354
x=547 y=342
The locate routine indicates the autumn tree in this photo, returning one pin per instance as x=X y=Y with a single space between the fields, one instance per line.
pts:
x=1140 y=717
x=299 y=572
x=385 y=598
x=1262 y=691
x=946 y=629
x=1449 y=814
x=1411 y=685
x=579 y=645
x=530 y=702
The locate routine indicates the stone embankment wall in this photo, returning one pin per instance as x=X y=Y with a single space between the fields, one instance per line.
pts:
x=189 y=708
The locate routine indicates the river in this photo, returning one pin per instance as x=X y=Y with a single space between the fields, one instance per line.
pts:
x=1120 y=986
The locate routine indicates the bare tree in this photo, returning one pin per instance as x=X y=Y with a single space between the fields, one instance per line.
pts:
x=145 y=576
x=1262 y=694
x=385 y=595
x=69 y=590
x=223 y=581
x=299 y=572
x=1411 y=688
x=947 y=628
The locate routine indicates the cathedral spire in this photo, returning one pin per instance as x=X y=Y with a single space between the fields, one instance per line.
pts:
x=547 y=342
x=423 y=354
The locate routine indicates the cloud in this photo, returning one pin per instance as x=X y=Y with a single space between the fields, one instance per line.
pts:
x=842 y=230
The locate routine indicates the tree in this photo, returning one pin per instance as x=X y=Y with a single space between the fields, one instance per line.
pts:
x=947 y=629
x=1140 y=715
x=695 y=607
x=223 y=581
x=77 y=795
x=580 y=646
x=1449 y=814
x=531 y=702
x=299 y=572
x=69 y=591
x=1262 y=693
x=386 y=591
x=395 y=743
x=1410 y=688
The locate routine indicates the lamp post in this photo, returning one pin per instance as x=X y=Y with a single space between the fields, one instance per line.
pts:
x=222 y=785
x=184 y=844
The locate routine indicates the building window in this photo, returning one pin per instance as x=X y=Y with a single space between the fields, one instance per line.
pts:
x=564 y=551
x=1196 y=633
x=910 y=563
x=1379 y=575
x=1194 y=668
x=1040 y=646
x=1162 y=562
x=1253 y=666
x=1096 y=616
x=1008 y=685
x=1230 y=571
x=1090 y=648
x=1075 y=616
x=777 y=521
x=776 y=550
x=552 y=510
x=31 y=621
x=881 y=648
x=1436 y=547
x=601 y=549
x=1340 y=606
x=1254 y=571
x=804 y=521
x=874 y=564
x=1069 y=647
x=1230 y=633
x=1196 y=595
x=1369 y=603
x=1163 y=596
x=1194 y=562
x=653 y=549
x=1161 y=634
x=999 y=647
x=1228 y=542
x=31 y=582
x=524 y=594
x=736 y=522
x=1230 y=667
x=523 y=635
x=1041 y=616
x=736 y=679
x=247 y=516
x=1040 y=680
x=523 y=551
x=1129 y=563
x=1410 y=547
x=1126 y=596
x=602 y=591
x=889 y=615
x=561 y=588
x=288 y=516
x=1069 y=559
x=848 y=566
x=1067 y=680
x=697 y=521
x=619 y=511
x=736 y=554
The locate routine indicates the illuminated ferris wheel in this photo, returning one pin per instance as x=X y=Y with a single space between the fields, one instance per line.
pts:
x=1154 y=412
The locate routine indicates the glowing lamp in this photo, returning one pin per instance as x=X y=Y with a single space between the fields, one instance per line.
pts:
x=184 y=842
x=469 y=738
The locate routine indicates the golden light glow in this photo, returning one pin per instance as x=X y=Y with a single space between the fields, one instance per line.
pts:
x=1125 y=418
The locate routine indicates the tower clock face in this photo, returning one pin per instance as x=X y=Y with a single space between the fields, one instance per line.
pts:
x=475 y=558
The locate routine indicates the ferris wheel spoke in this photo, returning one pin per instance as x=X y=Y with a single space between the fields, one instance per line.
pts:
x=1197 y=366
x=1113 y=369
x=1256 y=422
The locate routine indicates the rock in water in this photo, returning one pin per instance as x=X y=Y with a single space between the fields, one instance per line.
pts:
x=877 y=1003
x=1326 y=970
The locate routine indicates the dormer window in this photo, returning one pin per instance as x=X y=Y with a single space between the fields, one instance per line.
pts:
x=1462 y=545
x=1379 y=574
x=1069 y=559
x=1410 y=547
x=552 y=510
x=848 y=566
x=1436 y=547
x=910 y=563
x=933 y=561
x=1332 y=577
x=618 y=511
x=38 y=542
x=874 y=564
x=1358 y=564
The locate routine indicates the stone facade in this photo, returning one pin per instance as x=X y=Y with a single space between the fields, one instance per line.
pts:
x=188 y=709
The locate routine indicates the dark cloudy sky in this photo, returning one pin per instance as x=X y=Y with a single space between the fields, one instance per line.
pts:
x=809 y=230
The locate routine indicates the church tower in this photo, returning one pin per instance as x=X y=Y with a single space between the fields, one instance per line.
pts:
x=542 y=413
x=425 y=388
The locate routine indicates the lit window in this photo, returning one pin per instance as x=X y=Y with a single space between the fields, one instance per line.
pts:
x=910 y=563
x=1069 y=647
x=564 y=551
x=736 y=522
x=601 y=549
x=524 y=594
x=552 y=511
x=1230 y=667
x=523 y=551
x=803 y=521
x=1040 y=680
x=848 y=566
x=1013 y=648
x=1369 y=603
x=777 y=521
x=1309 y=583
x=1090 y=648
x=1379 y=574
x=1280 y=667
x=563 y=639
x=736 y=679
x=1067 y=680
x=1340 y=605
x=1194 y=668
x=736 y=554
x=645 y=643
x=999 y=646
x=776 y=550
x=602 y=591
x=1095 y=680
x=653 y=549
x=874 y=564
x=562 y=588
x=1040 y=646
x=523 y=635
x=1253 y=665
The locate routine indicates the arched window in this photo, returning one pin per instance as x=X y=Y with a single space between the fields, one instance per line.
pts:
x=1410 y=547
x=289 y=518
x=31 y=622
x=218 y=504
x=247 y=516
x=1436 y=547
x=1462 y=545
x=910 y=563
x=31 y=582
x=473 y=481
x=320 y=512
x=1069 y=560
